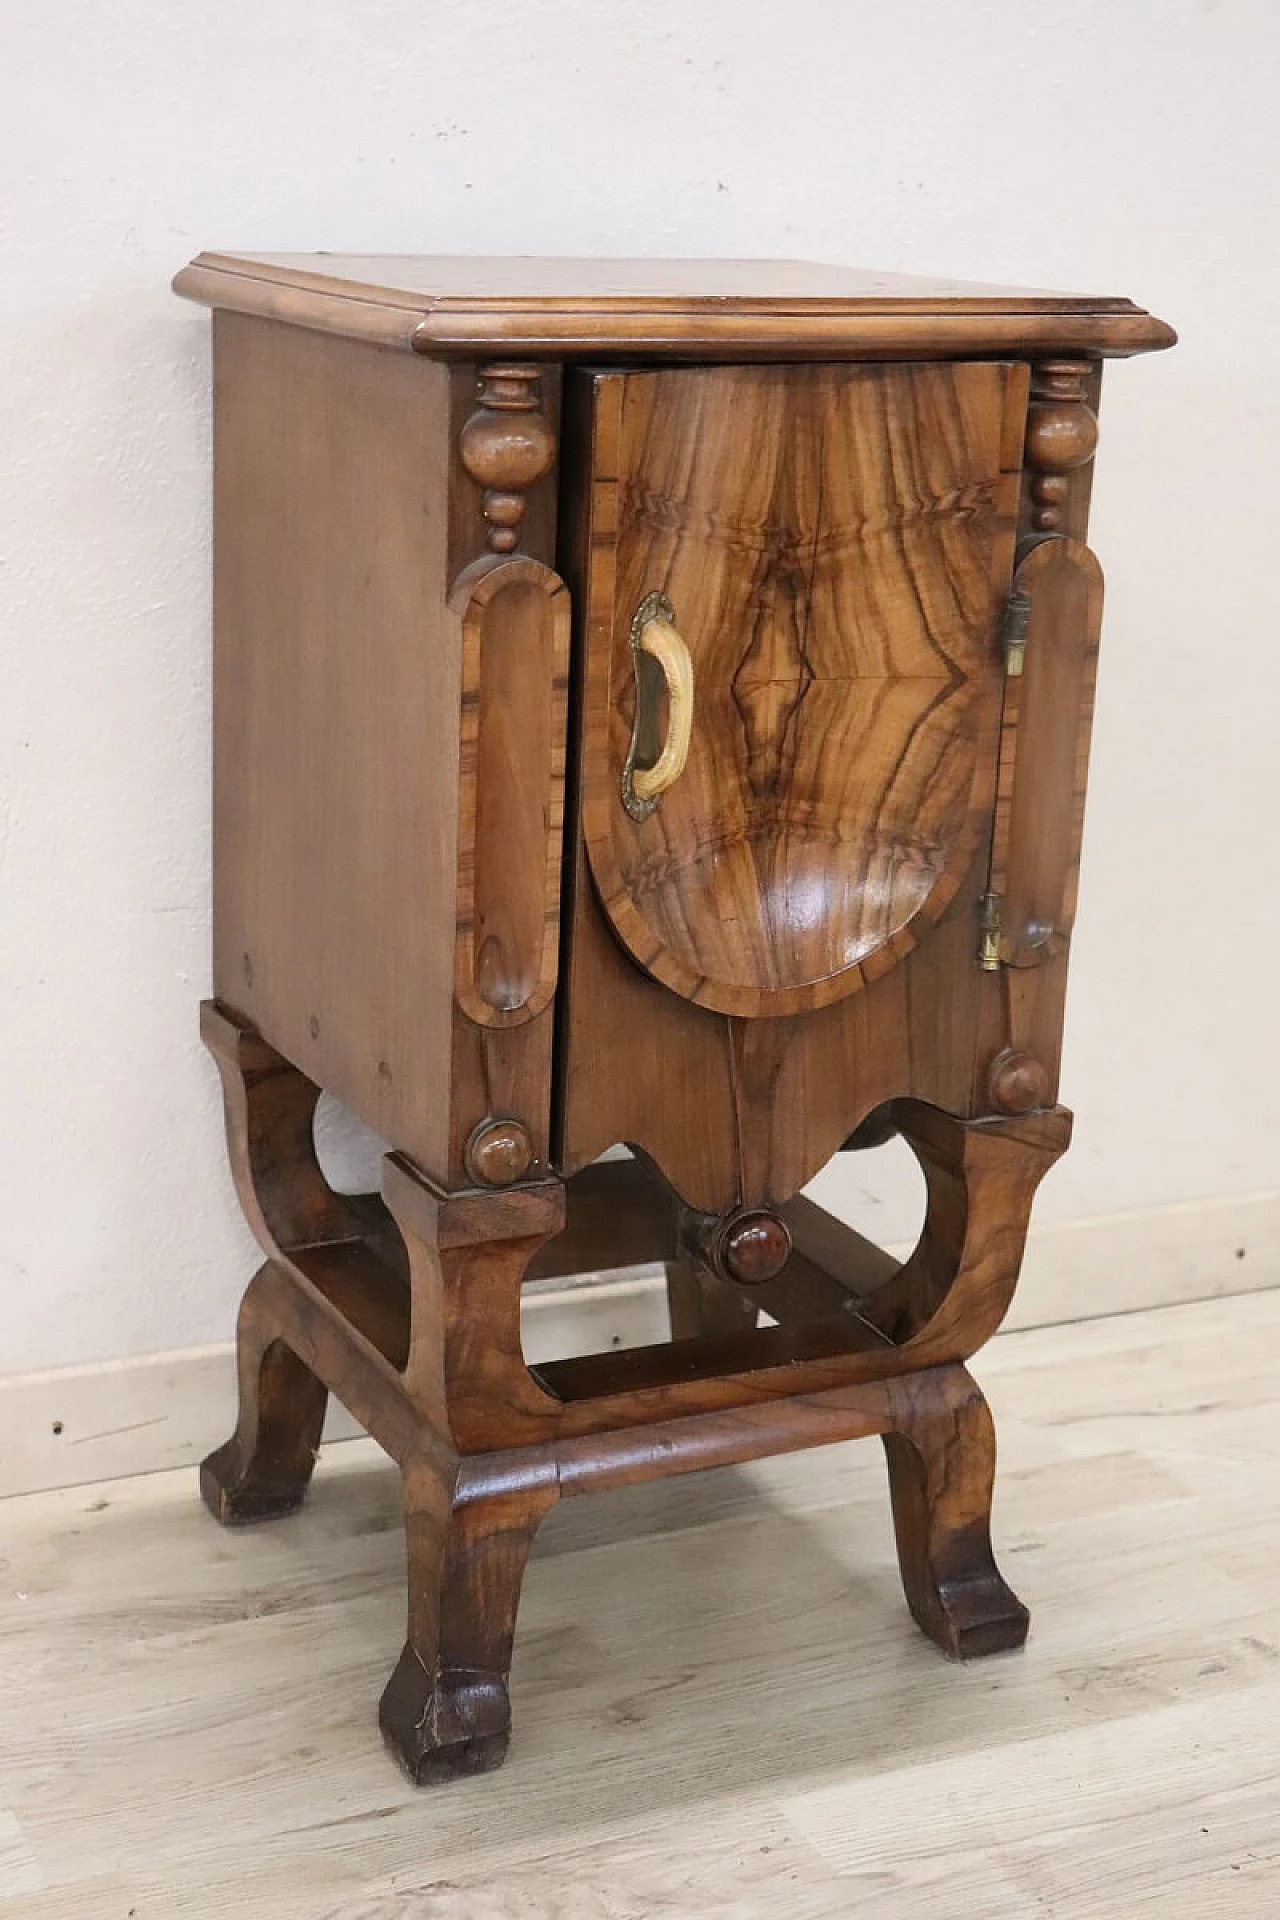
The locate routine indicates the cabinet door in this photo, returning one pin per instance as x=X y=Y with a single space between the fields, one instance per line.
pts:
x=795 y=576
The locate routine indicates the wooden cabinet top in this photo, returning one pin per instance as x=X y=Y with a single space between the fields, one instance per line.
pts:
x=460 y=306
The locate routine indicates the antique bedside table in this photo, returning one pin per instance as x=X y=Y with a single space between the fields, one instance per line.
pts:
x=651 y=707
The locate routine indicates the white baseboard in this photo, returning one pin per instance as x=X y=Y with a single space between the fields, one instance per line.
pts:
x=80 y=1424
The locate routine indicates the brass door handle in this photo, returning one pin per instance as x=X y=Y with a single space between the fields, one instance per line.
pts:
x=661 y=659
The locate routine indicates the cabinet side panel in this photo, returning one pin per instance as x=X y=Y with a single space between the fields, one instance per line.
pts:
x=336 y=677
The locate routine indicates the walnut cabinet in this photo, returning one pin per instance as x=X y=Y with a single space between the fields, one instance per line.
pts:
x=651 y=709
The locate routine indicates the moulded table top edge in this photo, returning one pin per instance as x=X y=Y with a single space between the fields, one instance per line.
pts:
x=450 y=305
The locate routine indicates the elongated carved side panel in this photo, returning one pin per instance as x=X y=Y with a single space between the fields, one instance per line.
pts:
x=1020 y=1026
x=515 y=668
x=834 y=544
x=1044 y=754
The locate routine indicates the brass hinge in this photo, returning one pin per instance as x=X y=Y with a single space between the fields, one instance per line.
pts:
x=1013 y=632
x=991 y=905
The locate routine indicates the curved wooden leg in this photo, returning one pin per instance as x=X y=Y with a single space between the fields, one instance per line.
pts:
x=942 y=1458
x=263 y=1470
x=446 y=1710
x=948 y=1299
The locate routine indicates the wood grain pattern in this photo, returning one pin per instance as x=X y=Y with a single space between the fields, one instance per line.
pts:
x=264 y=1469
x=333 y=657
x=469 y=529
x=334 y=1288
x=1017 y=1082
x=420 y=1337
x=835 y=544
x=417 y=749
x=938 y=1307
x=496 y=1070
x=619 y=1031
x=941 y=1453
x=344 y=812
x=619 y=1214
x=446 y=1710
x=468 y=1254
x=650 y=309
x=1062 y=436
x=759 y=1105
x=1044 y=753
x=514 y=615
x=1022 y=1007
x=507 y=446
x=461 y=1361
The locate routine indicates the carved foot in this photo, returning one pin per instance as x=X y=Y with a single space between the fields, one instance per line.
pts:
x=942 y=1460
x=263 y=1470
x=446 y=1712
x=445 y=1724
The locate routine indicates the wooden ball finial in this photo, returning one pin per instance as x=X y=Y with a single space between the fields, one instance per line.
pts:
x=1018 y=1082
x=1061 y=437
x=1062 y=434
x=498 y=1153
x=506 y=446
x=756 y=1247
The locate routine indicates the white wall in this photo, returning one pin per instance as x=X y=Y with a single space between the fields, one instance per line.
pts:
x=1122 y=146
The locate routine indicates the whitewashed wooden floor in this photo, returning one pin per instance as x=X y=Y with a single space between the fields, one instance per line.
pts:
x=722 y=1708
